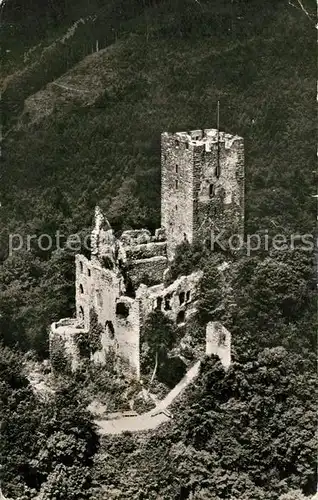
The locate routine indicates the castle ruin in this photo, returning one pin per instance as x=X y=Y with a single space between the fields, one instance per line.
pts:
x=202 y=190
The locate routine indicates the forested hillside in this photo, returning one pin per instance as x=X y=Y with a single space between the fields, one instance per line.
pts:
x=161 y=65
x=231 y=438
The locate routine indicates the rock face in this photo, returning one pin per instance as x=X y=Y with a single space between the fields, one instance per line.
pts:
x=123 y=281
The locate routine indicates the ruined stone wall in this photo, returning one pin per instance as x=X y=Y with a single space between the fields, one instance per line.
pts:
x=143 y=256
x=218 y=342
x=121 y=335
x=146 y=251
x=127 y=333
x=176 y=189
x=121 y=331
x=135 y=237
x=101 y=286
x=84 y=283
x=101 y=289
x=147 y=271
x=103 y=241
x=178 y=301
x=96 y=287
x=63 y=346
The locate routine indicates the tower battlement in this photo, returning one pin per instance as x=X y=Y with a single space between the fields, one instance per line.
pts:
x=204 y=137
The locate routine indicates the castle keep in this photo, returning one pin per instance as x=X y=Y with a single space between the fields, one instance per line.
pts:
x=202 y=190
x=202 y=185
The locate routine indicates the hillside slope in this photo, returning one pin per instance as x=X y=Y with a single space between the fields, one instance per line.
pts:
x=109 y=151
x=81 y=86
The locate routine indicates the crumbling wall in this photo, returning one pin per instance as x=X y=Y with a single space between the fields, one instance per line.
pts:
x=64 y=352
x=84 y=282
x=140 y=244
x=218 y=341
x=120 y=333
x=178 y=301
x=127 y=331
x=135 y=237
x=101 y=289
x=136 y=252
x=101 y=286
x=148 y=271
x=146 y=251
x=103 y=242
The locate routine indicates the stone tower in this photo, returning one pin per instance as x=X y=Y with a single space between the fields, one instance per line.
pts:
x=202 y=186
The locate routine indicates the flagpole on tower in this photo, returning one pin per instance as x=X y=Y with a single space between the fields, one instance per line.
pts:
x=218 y=139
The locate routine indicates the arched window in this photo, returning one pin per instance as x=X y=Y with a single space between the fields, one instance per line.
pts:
x=81 y=288
x=81 y=266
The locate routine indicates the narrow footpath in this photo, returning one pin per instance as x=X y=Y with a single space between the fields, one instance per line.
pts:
x=153 y=418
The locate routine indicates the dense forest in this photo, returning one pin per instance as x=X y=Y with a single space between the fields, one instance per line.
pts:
x=248 y=433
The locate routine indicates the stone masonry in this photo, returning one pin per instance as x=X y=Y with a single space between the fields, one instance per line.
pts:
x=123 y=281
x=202 y=186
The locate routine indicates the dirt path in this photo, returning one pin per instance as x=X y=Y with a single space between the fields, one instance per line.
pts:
x=153 y=418
x=70 y=88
